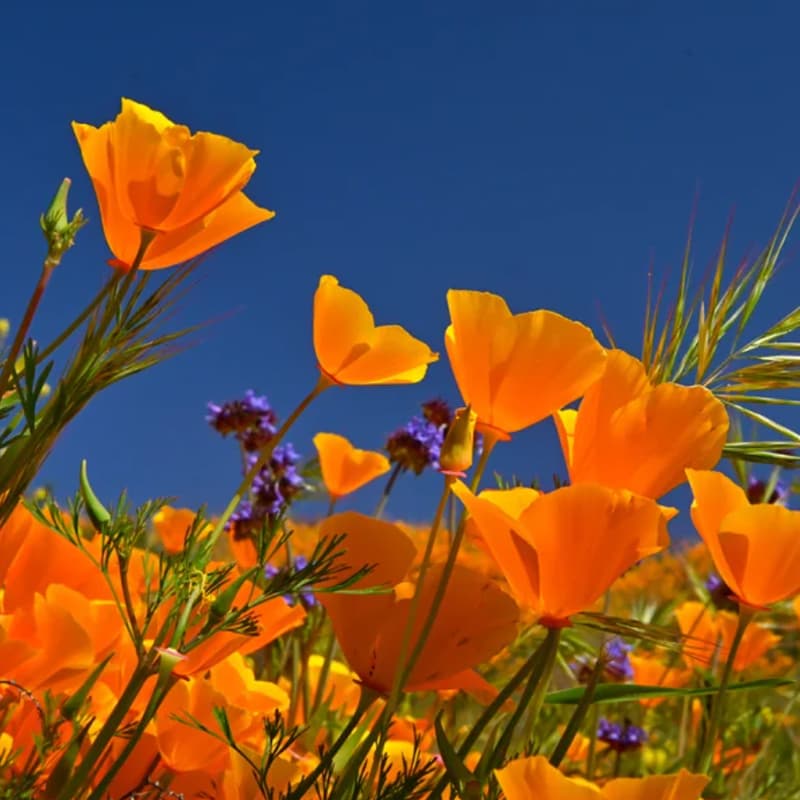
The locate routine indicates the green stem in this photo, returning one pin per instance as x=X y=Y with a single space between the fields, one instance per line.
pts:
x=331 y=506
x=579 y=714
x=364 y=702
x=591 y=756
x=408 y=656
x=22 y=331
x=706 y=754
x=322 y=678
x=264 y=456
x=533 y=695
x=394 y=475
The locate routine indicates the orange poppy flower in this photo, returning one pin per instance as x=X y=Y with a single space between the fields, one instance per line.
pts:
x=629 y=434
x=514 y=370
x=709 y=635
x=534 y=777
x=344 y=467
x=172 y=525
x=755 y=548
x=150 y=174
x=475 y=620
x=560 y=551
x=650 y=670
x=352 y=350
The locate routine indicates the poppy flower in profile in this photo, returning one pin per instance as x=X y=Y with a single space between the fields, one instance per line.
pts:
x=346 y=468
x=172 y=525
x=474 y=622
x=629 y=434
x=150 y=174
x=755 y=548
x=352 y=350
x=560 y=551
x=534 y=777
x=516 y=369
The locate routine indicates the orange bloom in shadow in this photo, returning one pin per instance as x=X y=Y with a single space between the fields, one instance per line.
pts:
x=352 y=350
x=344 y=467
x=755 y=548
x=474 y=622
x=533 y=778
x=650 y=670
x=709 y=635
x=560 y=551
x=172 y=525
x=151 y=174
x=514 y=370
x=630 y=434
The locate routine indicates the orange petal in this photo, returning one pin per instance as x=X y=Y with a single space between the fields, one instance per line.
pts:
x=344 y=467
x=715 y=497
x=565 y=421
x=533 y=778
x=585 y=537
x=761 y=547
x=682 y=786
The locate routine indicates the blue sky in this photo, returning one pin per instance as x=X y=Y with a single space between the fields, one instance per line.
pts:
x=546 y=151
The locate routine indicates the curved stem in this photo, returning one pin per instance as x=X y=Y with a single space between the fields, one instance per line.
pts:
x=706 y=754
x=394 y=475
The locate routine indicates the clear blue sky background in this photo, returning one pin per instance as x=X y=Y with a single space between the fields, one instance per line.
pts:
x=547 y=151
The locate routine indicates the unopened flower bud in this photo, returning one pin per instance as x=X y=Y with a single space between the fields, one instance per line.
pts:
x=459 y=444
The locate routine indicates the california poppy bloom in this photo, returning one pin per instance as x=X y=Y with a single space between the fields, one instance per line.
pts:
x=346 y=468
x=517 y=369
x=152 y=175
x=474 y=622
x=534 y=777
x=560 y=551
x=352 y=350
x=630 y=434
x=755 y=548
x=172 y=525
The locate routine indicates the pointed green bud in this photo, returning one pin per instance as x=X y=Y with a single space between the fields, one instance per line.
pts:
x=97 y=512
x=58 y=228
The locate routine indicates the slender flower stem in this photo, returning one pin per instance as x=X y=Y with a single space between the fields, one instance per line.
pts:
x=264 y=456
x=533 y=695
x=408 y=658
x=579 y=714
x=591 y=756
x=366 y=699
x=718 y=707
x=394 y=475
x=322 y=679
x=22 y=331
x=331 y=506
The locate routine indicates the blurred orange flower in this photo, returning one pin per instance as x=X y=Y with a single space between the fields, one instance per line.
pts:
x=560 y=551
x=630 y=434
x=344 y=467
x=534 y=777
x=514 y=370
x=172 y=526
x=150 y=174
x=352 y=350
x=709 y=635
x=474 y=622
x=650 y=670
x=755 y=548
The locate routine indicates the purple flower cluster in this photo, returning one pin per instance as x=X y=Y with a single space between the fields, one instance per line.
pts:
x=253 y=423
x=621 y=738
x=251 y=420
x=306 y=597
x=616 y=664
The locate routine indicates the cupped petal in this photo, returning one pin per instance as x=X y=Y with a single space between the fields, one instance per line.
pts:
x=553 y=361
x=533 y=778
x=236 y=214
x=216 y=168
x=495 y=515
x=761 y=547
x=122 y=234
x=682 y=786
x=565 y=421
x=585 y=537
x=346 y=468
x=715 y=496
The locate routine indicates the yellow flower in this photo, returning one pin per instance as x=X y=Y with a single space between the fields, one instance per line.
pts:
x=152 y=175
x=346 y=468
